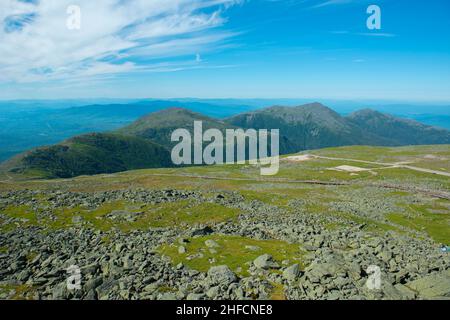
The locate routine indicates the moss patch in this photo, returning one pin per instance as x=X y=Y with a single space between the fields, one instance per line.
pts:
x=183 y=213
x=179 y=213
x=25 y=214
x=433 y=219
x=277 y=292
x=17 y=292
x=233 y=251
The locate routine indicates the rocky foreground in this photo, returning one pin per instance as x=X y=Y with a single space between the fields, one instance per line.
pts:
x=332 y=263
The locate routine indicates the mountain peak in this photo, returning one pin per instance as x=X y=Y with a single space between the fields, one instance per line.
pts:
x=366 y=112
x=295 y=111
x=158 y=126
x=314 y=105
x=171 y=111
x=174 y=117
x=317 y=107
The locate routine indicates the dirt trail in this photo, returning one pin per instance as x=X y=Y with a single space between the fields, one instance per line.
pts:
x=441 y=173
x=392 y=165
x=9 y=178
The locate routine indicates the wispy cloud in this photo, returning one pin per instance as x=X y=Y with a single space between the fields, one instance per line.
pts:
x=365 y=34
x=328 y=3
x=377 y=34
x=116 y=36
x=331 y=2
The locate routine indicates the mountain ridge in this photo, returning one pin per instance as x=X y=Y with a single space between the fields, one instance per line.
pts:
x=406 y=131
x=146 y=142
x=309 y=126
x=91 y=154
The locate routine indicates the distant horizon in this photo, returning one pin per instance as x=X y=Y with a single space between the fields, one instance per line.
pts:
x=193 y=98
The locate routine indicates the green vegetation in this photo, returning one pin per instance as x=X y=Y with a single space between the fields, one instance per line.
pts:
x=271 y=197
x=233 y=251
x=146 y=142
x=277 y=292
x=91 y=154
x=428 y=154
x=25 y=214
x=358 y=208
x=145 y=216
x=433 y=219
x=421 y=215
x=371 y=225
x=17 y=292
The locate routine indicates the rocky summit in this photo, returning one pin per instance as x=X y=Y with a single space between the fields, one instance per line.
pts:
x=199 y=233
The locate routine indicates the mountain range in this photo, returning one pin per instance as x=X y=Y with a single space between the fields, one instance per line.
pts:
x=146 y=143
x=26 y=124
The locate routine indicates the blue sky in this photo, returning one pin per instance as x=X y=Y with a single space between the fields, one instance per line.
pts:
x=226 y=49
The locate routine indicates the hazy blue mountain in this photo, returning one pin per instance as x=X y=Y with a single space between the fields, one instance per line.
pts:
x=145 y=143
x=401 y=131
x=25 y=124
x=441 y=121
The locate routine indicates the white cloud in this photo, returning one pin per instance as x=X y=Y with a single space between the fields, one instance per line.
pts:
x=115 y=36
x=327 y=3
x=331 y=2
x=377 y=34
x=366 y=34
